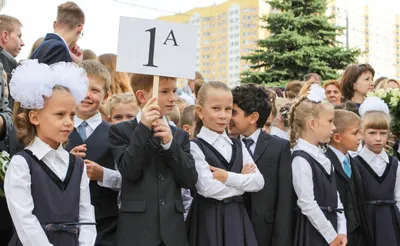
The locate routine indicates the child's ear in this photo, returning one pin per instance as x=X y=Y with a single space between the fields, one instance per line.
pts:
x=141 y=97
x=186 y=128
x=312 y=123
x=336 y=138
x=33 y=117
x=254 y=117
x=199 y=112
x=105 y=97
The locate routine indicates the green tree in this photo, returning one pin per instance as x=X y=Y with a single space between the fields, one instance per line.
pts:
x=301 y=40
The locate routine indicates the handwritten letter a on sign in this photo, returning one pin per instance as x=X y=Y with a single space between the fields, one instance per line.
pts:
x=156 y=47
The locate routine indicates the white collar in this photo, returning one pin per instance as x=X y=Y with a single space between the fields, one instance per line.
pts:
x=62 y=40
x=338 y=153
x=253 y=136
x=276 y=131
x=368 y=155
x=139 y=116
x=40 y=149
x=311 y=149
x=210 y=136
x=93 y=121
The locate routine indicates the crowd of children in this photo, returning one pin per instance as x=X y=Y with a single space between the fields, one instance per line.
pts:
x=98 y=160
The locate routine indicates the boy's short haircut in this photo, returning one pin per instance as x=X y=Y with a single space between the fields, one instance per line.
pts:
x=7 y=23
x=344 y=119
x=187 y=116
x=251 y=98
x=199 y=76
x=89 y=55
x=70 y=14
x=197 y=85
x=95 y=69
x=144 y=82
x=112 y=101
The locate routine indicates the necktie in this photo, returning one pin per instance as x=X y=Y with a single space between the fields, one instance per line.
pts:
x=82 y=130
x=347 y=167
x=248 y=142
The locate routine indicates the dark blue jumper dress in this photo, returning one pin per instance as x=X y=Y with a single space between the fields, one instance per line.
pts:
x=56 y=202
x=220 y=223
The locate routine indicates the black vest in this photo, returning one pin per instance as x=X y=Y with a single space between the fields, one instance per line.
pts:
x=218 y=223
x=325 y=194
x=55 y=201
x=383 y=216
x=103 y=199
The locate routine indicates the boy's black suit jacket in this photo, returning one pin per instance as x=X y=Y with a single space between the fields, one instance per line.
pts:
x=152 y=178
x=272 y=209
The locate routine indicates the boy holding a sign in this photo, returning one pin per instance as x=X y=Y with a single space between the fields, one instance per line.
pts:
x=155 y=162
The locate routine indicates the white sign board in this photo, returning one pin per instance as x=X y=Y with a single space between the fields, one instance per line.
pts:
x=156 y=47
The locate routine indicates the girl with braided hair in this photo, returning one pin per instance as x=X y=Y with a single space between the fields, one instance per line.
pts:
x=320 y=218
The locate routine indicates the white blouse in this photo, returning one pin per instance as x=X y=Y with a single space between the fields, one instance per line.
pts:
x=17 y=186
x=304 y=188
x=236 y=183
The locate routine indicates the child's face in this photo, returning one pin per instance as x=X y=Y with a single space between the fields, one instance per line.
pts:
x=323 y=126
x=123 y=112
x=167 y=96
x=350 y=138
x=95 y=96
x=217 y=110
x=375 y=139
x=55 y=121
x=268 y=125
x=240 y=123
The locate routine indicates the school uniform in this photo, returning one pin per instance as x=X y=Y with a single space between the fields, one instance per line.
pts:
x=275 y=131
x=348 y=183
x=271 y=209
x=104 y=194
x=218 y=216
x=153 y=174
x=47 y=194
x=320 y=216
x=53 y=49
x=380 y=178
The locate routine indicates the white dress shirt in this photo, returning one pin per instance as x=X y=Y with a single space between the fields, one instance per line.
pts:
x=236 y=183
x=378 y=163
x=275 y=131
x=339 y=155
x=17 y=186
x=111 y=177
x=254 y=137
x=304 y=188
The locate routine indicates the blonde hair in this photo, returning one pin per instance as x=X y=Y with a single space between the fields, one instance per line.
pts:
x=119 y=80
x=281 y=102
x=202 y=98
x=344 y=119
x=375 y=120
x=188 y=116
x=96 y=69
x=70 y=15
x=7 y=23
x=89 y=55
x=175 y=115
x=293 y=88
x=35 y=45
x=384 y=84
x=302 y=110
x=125 y=98
x=26 y=131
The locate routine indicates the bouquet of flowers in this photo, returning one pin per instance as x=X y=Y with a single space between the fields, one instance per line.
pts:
x=4 y=160
x=392 y=98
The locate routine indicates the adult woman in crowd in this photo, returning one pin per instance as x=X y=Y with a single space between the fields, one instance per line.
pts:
x=332 y=92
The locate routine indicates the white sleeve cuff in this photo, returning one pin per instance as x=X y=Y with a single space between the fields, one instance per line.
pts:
x=166 y=146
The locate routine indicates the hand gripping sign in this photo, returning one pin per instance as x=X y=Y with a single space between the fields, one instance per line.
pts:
x=157 y=48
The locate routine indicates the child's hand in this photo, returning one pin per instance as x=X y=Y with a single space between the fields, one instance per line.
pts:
x=94 y=170
x=248 y=168
x=219 y=174
x=163 y=131
x=76 y=54
x=79 y=151
x=150 y=113
x=340 y=240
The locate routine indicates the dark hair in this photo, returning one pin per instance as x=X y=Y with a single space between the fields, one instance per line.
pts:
x=350 y=76
x=293 y=88
x=349 y=106
x=251 y=98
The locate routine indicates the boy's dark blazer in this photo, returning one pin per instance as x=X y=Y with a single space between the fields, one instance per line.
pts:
x=52 y=50
x=272 y=209
x=151 y=202
x=342 y=184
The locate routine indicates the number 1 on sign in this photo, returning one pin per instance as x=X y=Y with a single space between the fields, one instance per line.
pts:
x=150 y=62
